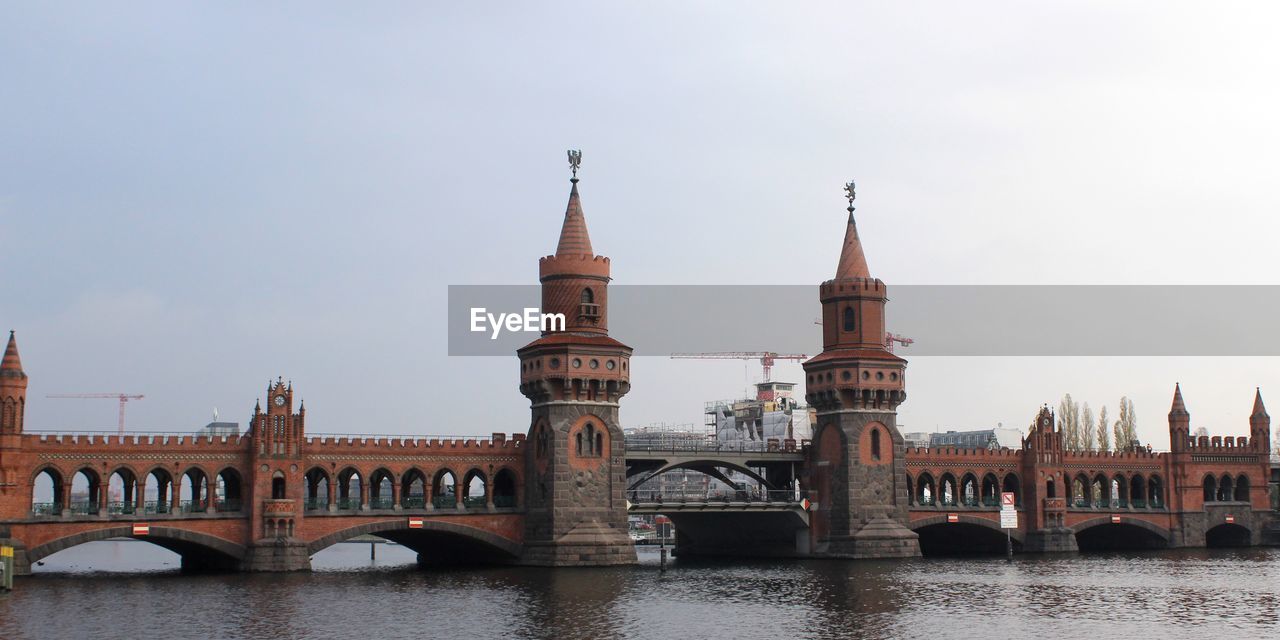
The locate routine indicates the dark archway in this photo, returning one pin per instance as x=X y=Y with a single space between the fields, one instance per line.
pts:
x=1137 y=492
x=926 y=493
x=475 y=489
x=350 y=489
x=436 y=542
x=1227 y=535
x=968 y=537
x=948 y=494
x=1242 y=488
x=444 y=489
x=158 y=494
x=504 y=489
x=413 y=489
x=86 y=487
x=46 y=492
x=319 y=490
x=1012 y=485
x=1101 y=534
x=381 y=489
x=1226 y=491
x=199 y=551
x=1210 y=488
x=990 y=490
x=229 y=491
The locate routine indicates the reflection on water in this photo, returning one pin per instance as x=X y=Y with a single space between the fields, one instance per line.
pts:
x=1192 y=593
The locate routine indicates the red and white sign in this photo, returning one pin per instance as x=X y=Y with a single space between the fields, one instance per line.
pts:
x=805 y=504
x=953 y=518
x=141 y=529
x=415 y=523
x=1115 y=519
x=1231 y=519
x=1007 y=500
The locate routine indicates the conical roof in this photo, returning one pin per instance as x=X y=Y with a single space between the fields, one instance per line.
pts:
x=574 y=239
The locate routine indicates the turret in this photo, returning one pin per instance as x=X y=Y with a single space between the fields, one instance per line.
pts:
x=13 y=389
x=1259 y=425
x=1179 y=422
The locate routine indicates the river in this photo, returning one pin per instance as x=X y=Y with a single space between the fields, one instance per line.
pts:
x=125 y=589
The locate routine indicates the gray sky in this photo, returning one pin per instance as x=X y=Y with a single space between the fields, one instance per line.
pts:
x=196 y=199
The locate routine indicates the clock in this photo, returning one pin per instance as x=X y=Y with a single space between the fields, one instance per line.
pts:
x=279 y=401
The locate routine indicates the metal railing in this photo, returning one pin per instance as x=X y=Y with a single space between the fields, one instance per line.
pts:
x=230 y=506
x=381 y=503
x=474 y=502
x=682 y=445
x=348 y=504
x=504 y=502
x=121 y=508
x=84 y=508
x=444 y=502
x=157 y=507
x=414 y=502
x=46 y=509
x=785 y=496
x=192 y=506
x=315 y=504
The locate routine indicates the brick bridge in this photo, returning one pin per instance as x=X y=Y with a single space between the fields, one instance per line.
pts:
x=270 y=498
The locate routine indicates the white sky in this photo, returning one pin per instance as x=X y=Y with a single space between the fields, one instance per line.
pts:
x=196 y=199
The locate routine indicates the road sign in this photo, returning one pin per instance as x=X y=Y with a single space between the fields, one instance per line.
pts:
x=953 y=518
x=1007 y=500
x=805 y=504
x=1008 y=519
x=1231 y=519
x=1115 y=519
x=6 y=552
x=141 y=529
x=415 y=523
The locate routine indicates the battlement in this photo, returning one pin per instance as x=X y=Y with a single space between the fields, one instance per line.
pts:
x=1218 y=443
x=1093 y=456
x=938 y=453
x=852 y=287
x=574 y=265
x=111 y=442
x=497 y=441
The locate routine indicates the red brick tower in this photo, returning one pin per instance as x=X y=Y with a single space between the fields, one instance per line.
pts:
x=276 y=483
x=13 y=390
x=858 y=465
x=1179 y=422
x=1046 y=487
x=575 y=476
x=1259 y=426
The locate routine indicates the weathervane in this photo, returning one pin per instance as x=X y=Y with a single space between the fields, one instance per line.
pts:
x=575 y=161
x=850 y=194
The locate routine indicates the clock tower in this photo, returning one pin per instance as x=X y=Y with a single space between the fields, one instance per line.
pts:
x=574 y=379
x=276 y=486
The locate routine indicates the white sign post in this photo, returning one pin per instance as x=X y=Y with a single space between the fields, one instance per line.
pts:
x=1008 y=519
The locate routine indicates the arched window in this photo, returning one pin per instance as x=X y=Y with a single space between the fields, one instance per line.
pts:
x=578 y=437
x=277 y=486
x=1049 y=490
x=599 y=443
x=1210 y=488
x=848 y=319
x=875 y=444
x=1242 y=488
x=588 y=297
x=591 y=439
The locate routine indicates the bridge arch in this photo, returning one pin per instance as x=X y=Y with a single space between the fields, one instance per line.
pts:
x=1099 y=534
x=708 y=466
x=434 y=536
x=1228 y=535
x=970 y=535
x=52 y=476
x=198 y=550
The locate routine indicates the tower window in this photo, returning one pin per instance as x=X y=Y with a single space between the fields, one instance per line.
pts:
x=875 y=444
x=588 y=297
x=848 y=319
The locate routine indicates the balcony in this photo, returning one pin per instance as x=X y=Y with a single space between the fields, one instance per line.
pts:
x=276 y=508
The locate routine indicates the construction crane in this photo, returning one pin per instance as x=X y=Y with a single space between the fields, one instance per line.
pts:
x=889 y=338
x=766 y=358
x=124 y=398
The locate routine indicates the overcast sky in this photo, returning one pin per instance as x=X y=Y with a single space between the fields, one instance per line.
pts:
x=194 y=200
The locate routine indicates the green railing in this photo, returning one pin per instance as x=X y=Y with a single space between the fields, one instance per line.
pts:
x=229 y=506
x=504 y=502
x=315 y=504
x=1122 y=504
x=926 y=502
x=990 y=501
x=348 y=504
x=1156 y=504
x=948 y=503
x=414 y=502
x=46 y=509
x=156 y=506
x=1139 y=504
x=443 y=502
x=1081 y=503
x=84 y=508
x=381 y=503
x=191 y=506
x=121 y=508
x=474 y=502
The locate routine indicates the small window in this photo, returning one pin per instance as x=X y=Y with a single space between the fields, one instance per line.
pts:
x=848 y=319
x=875 y=444
x=588 y=297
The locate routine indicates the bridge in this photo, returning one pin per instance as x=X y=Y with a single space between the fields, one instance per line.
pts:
x=559 y=492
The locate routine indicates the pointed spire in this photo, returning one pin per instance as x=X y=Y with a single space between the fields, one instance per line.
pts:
x=853 y=263
x=11 y=366
x=1179 y=407
x=573 y=234
x=1259 y=411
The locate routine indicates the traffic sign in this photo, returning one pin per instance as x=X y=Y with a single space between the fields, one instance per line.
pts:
x=1115 y=519
x=141 y=529
x=1008 y=519
x=1231 y=519
x=953 y=518
x=6 y=552
x=415 y=523
x=805 y=504
x=1007 y=500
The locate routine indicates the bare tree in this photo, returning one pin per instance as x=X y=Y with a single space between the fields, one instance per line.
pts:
x=1086 y=427
x=1069 y=421
x=1126 y=428
x=1104 y=430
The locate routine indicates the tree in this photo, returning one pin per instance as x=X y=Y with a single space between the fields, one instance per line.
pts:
x=1126 y=428
x=1069 y=421
x=1104 y=430
x=1086 y=427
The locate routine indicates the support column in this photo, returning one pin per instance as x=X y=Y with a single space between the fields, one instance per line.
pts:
x=395 y=495
x=364 y=494
x=457 y=494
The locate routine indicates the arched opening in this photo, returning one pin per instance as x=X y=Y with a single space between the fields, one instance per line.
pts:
x=911 y=492
x=198 y=551
x=848 y=319
x=588 y=296
x=1137 y=492
x=875 y=443
x=1242 y=488
x=1108 y=536
x=319 y=495
x=278 y=488
x=381 y=489
x=947 y=494
x=46 y=493
x=1225 y=490
x=1155 y=493
x=504 y=489
x=195 y=490
x=1101 y=492
x=350 y=489
x=122 y=492
x=1210 y=488
x=413 y=490
x=159 y=492
x=1227 y=535
x=437 y=543
x=475 y=489
x=1120 y=491
x=85 y=488
x=990 y=490
x=229 y=491
x=969 y=490
x=1014 y=486
x=926 y=495
x=1080 y=491
x=1050 y=490
x=963 y=539
x=444 y=488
